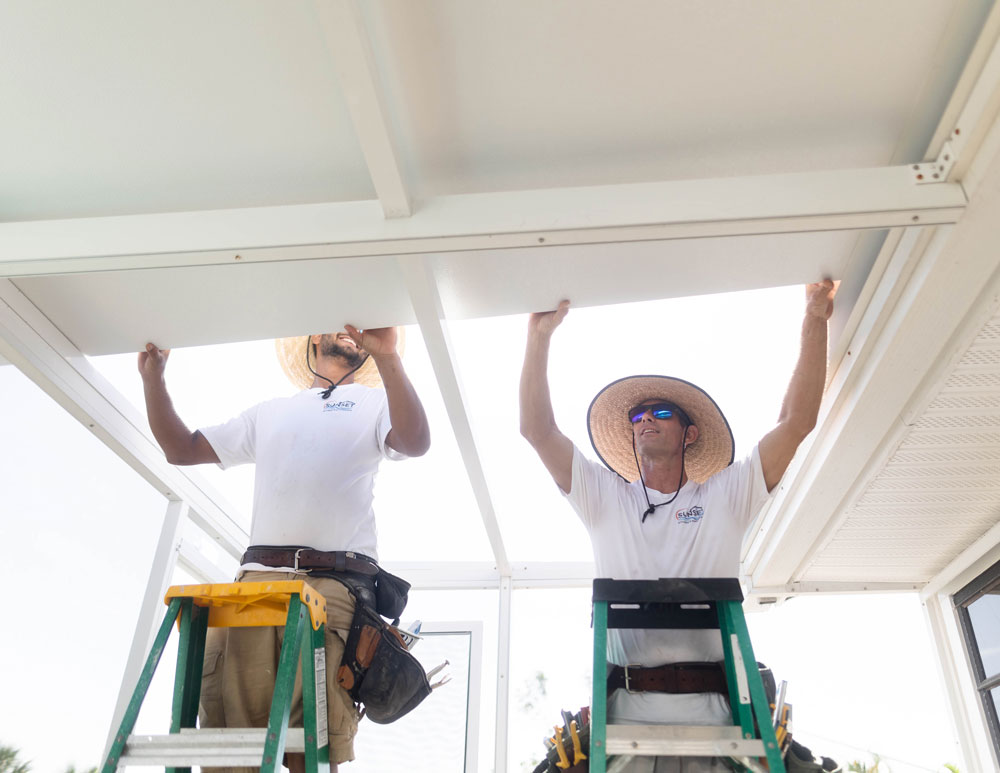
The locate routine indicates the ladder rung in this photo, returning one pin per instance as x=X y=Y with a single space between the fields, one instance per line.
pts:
x=211 y=747
x=681 y=741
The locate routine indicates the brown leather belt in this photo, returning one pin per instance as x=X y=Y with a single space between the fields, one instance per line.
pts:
x=306 y=559
x=673 y=678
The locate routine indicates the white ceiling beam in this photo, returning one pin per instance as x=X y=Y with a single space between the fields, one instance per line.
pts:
x=684 y=209
x=49 y=359
x=344 y=30
x=971 y=113
x=426 y=301
x=482 y=575
x=925 y=308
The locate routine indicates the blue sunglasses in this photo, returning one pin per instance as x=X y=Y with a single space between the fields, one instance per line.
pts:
x=660 y=411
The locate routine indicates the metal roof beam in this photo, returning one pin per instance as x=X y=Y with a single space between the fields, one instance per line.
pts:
x=426 y=301
x=344 y=30
x=683 y=209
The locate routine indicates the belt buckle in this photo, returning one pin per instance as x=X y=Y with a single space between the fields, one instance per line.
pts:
x=628 y=687
x=296 y=564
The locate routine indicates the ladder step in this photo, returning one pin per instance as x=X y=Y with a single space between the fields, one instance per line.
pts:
x=681 y=741
x=210 y=747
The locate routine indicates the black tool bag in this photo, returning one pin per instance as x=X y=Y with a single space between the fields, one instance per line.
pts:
x=378 y=670
x=391 y=595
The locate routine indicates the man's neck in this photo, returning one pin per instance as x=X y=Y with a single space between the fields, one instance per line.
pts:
x=333 y=368
x=663 y=474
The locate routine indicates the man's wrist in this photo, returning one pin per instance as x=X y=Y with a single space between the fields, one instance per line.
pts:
x=387 y=357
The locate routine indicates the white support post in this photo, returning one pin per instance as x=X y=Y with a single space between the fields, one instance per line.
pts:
x=503 y=676
x=344 y=29
x=969 y=721
x=427 y=306
x=151 y=611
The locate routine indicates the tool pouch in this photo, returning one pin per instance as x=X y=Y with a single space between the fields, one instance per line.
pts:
x=391 y=594
x=378 y=670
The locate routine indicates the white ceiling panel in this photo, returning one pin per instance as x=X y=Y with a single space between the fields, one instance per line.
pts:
x=507 y=96
x=129 y=106
x=111 y=312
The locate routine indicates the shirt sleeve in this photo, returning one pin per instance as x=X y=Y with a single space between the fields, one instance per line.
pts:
x=745 y=487
x=383 y=425
x=594 y=490
x=235 y=441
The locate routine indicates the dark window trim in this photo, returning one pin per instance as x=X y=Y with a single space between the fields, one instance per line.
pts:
x=984 y=684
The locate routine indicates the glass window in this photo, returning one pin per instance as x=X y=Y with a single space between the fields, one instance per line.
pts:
x=984 y=615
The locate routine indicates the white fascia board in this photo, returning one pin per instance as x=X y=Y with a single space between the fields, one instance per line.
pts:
x=426 y=303
x=49 y=359
x=787 y=203
x=834 y=588
x=890 y=369
x=347 y=40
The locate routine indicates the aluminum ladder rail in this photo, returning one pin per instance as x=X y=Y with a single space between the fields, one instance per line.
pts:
x=681 y=604
x=295 y=605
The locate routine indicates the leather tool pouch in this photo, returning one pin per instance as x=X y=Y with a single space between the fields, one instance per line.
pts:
x=378 y=670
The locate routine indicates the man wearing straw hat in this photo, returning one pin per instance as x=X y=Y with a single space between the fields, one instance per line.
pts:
x=672 y=504
x=316 y=455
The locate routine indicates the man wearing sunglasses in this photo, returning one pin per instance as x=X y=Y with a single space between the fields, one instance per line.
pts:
x=670 y=502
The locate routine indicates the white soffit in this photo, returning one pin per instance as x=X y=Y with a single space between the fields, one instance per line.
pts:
x=939 y=491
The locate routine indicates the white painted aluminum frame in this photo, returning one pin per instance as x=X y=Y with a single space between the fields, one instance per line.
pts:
x=785 y=203
x=475 y=630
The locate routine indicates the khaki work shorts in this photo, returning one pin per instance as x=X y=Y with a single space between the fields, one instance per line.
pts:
x=237 y=681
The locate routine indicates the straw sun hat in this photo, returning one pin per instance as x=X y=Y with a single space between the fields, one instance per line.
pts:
x=611 y=431
x=292 y=353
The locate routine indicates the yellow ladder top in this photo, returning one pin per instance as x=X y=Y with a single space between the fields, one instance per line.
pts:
x=242 y=604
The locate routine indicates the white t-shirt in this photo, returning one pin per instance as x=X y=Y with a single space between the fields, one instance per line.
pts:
x=699 y=534
x=316 y=463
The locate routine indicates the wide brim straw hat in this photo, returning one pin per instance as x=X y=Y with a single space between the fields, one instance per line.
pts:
x=611 y=430
x=292 y=353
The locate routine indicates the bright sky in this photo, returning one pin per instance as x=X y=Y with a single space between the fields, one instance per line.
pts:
x=857 y=666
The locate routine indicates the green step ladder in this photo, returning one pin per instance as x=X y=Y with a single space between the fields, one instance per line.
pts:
x=293 y=604
x=682 y=604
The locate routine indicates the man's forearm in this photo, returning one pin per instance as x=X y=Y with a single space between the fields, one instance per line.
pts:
x=537 y=418
x=800 y=408
x=410 y=432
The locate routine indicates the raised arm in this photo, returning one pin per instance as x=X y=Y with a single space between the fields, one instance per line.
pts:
x=805 y=391
x=180 y=445
x=410 y=433
x=538 y=424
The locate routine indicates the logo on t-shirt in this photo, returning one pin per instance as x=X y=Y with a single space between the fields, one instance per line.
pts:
x=343 y=405
x=691 y=515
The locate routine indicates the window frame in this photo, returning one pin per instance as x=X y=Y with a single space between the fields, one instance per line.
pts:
x=984 y=683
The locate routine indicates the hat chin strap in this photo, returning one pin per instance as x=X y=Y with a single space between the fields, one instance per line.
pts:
x=329 y=390
x=652 y=508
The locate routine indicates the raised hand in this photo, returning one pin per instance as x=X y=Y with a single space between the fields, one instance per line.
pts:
x=152 y=362
x=376 y=341
x=545 y=322
x=819 y=298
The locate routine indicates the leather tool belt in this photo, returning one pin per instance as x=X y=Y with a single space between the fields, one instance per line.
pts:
x=307 y=559
x=672 y=678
